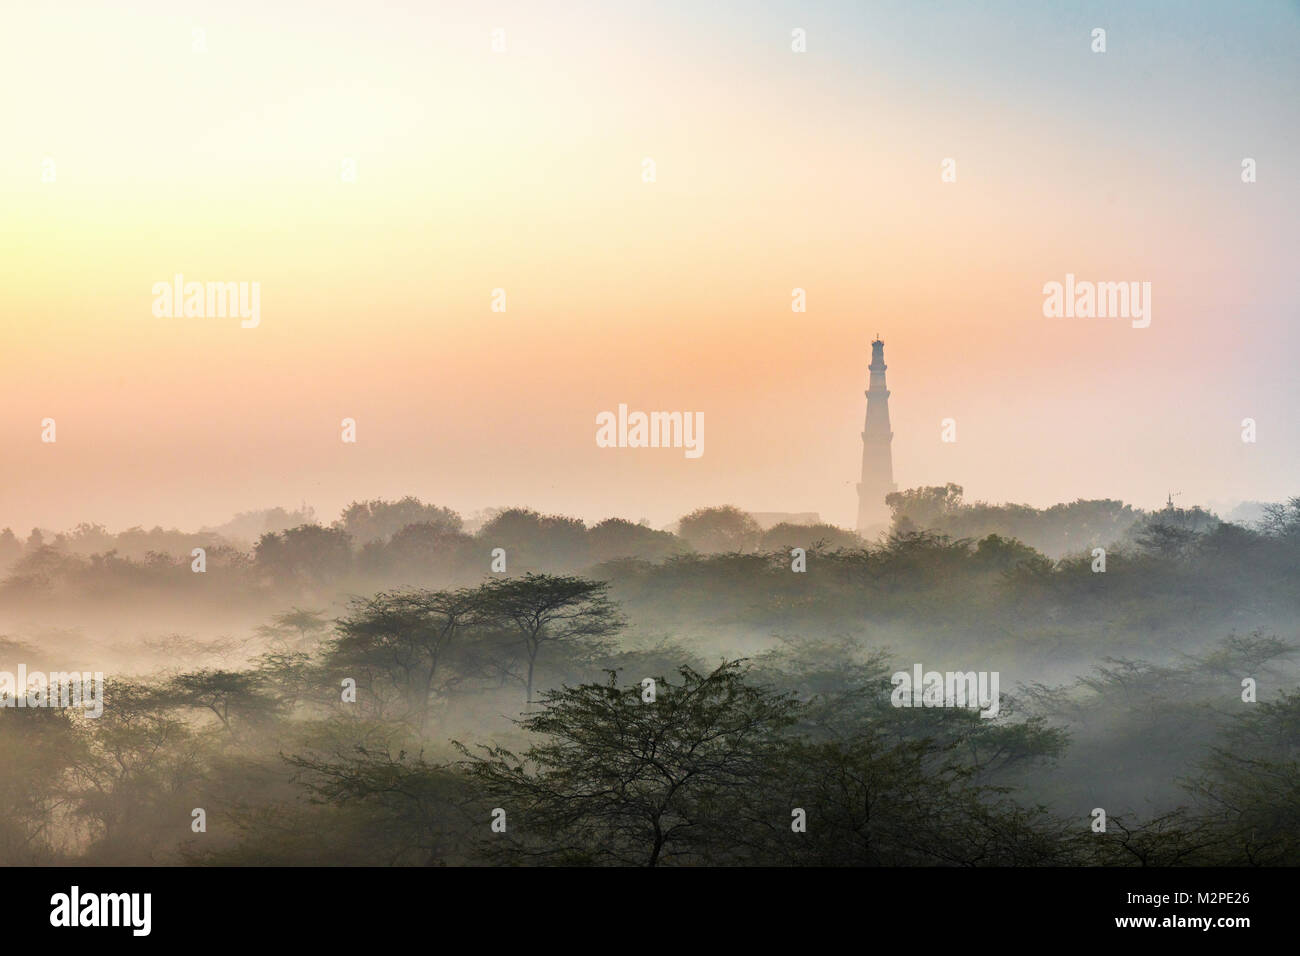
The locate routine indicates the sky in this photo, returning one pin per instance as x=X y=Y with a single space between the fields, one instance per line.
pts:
x=130 y=156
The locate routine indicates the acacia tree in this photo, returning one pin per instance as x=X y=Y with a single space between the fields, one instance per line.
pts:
x=1250 y=785
x=37 y=748
x=410 y=637
x=302 y=622
x=874 y=799
x=546 y=609
x=228 y=695
x=619 y=779
x=413 y=808
x=141 y=765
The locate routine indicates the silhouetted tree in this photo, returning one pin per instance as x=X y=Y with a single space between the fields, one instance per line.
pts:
x=542 y=609
x=410 y=638
x=229 y=695
x=615 y=779
x=299 y=623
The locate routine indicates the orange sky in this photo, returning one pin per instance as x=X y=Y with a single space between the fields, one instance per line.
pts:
x=522 y=170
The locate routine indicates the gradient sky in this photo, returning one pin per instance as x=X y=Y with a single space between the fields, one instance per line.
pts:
x=522 y=170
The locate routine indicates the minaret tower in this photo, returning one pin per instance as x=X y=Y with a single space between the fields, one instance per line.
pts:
x=877 y=461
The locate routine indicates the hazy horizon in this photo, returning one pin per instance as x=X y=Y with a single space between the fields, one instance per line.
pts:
x=474 y=516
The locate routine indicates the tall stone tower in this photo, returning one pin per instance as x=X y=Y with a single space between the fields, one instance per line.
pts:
x=877 y=461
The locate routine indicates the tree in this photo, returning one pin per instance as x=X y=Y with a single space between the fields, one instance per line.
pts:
x=1055 y=531
x=11 y=548
x=1005 y=554
x=42 y=571
x=545 y=609
x=1164 y=539
x=618 y=538
x=229 y=695
x=303 y=622
x=421 y=553
x=306 y=555
x=537 y=541
x=923 y=507
x=409 y=637
x=37 y=749
x=413 y=809
x=1250 y=784
x=618 y=780
x=251 y=525
x=876 y=800
x=379 y=520
x=142 y=766
x=1171 y=532
x=725 y=528
x=1282 y=520
x=820 y=537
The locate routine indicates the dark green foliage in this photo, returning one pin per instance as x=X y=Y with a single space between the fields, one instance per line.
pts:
x=617 y=779
x=716 y=770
